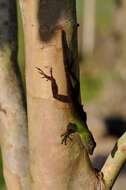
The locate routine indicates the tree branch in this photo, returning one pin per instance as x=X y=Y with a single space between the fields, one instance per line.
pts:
x=114 y=162
x=13 y=121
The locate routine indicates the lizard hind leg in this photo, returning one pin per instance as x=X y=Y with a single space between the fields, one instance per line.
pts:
x=71 y=128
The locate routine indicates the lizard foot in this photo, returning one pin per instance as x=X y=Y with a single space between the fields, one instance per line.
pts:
x=44 y=75
x=71 y=128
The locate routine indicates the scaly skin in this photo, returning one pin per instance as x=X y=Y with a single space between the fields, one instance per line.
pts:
x=77 y=123
x=79 y=116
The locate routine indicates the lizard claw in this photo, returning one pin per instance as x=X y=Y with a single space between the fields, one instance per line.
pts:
x=44 y=75
x=65 y=136
x=71 y=128
x=51 y=72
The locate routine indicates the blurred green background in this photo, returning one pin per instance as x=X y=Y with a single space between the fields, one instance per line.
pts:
x=91 y=83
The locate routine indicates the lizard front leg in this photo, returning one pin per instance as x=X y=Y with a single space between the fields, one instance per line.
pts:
x=71 y=128
x=44 y=75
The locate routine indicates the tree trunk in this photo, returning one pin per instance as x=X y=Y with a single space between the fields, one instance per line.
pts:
x=52 y=165
x=89 y=27
x=13 y=123
x=119 y=31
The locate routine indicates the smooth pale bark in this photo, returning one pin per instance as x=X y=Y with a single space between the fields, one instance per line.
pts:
x=114 y=162
x=13 y=123
x=89 y=27
x=53 y=165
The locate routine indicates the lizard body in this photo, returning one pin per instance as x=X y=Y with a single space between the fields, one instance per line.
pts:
x=78 y=120
x=79 y=116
